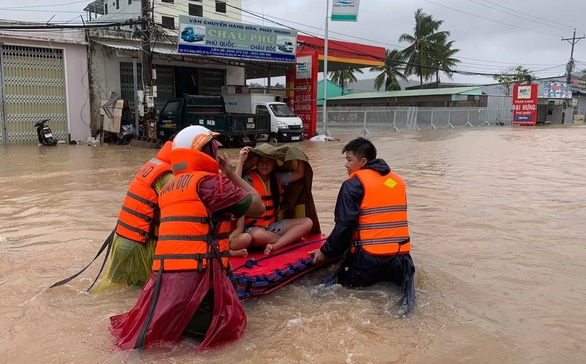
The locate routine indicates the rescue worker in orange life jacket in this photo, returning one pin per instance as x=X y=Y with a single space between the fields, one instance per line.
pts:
x=134 y=243
x=371 y=228
x=189 y=292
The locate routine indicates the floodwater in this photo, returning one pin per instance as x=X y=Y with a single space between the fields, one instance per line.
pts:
x=497 y=217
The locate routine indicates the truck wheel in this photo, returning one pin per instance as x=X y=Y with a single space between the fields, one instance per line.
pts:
x=273 y=139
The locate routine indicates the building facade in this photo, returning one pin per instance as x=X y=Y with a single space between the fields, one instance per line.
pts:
x=43 y=75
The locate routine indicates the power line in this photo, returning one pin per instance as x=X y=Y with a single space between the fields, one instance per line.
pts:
x=485 y=18
x=65 y=26
x=521 y=14
x=36 y=6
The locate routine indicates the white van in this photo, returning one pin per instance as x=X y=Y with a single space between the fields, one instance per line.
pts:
x=286 y=126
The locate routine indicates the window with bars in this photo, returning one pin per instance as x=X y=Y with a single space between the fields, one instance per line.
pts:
x=168 y=22
x=195 y=10
x=220 y=6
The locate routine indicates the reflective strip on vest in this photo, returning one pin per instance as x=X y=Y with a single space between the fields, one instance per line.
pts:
x=140 y=199
x=132 y=228
x=137 y=214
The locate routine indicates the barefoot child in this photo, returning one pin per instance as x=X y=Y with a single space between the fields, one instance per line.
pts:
x=268 y=231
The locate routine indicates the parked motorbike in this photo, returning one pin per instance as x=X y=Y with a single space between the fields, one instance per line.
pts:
x=44 y=133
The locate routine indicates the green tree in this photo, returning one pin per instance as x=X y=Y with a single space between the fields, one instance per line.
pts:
x=424 y=44
x=255 y=85
x=444 y=60
x=513 y=76
x=391 y=72
x=344 y=78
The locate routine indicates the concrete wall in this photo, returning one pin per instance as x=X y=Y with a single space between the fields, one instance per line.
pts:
x=78 y=95
x=104 y=71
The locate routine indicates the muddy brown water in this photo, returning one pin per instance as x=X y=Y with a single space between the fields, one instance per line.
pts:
x=497 y=218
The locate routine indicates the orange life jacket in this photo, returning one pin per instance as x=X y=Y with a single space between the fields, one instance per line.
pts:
x=136 y=220
x=270 y=214
x=382 y=223
x=185 y=238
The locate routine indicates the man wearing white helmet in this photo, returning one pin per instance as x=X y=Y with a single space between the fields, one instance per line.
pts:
x=189 y=293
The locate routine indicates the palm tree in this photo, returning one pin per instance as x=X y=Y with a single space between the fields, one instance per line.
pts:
x=419 y=54
x=444 y=60
x=345 y=77
x=391 y=72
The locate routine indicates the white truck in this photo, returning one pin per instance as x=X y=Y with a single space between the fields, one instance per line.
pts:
x=285 y=125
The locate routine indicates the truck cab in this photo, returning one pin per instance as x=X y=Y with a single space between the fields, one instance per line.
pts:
x=189 y=35
x=285 y=126
x=286 y=46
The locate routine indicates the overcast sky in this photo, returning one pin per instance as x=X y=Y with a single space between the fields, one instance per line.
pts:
x=492 y=35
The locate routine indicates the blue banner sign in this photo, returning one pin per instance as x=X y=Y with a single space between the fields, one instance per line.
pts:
x=218 y=38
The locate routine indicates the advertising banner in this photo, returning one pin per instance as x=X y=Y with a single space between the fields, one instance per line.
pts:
x=218 y=38
x=557 y=90
x=525 y=104
x=345 y=10
x=305 y=102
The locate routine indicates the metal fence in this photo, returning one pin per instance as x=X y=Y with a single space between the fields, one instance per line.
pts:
x=396 y=119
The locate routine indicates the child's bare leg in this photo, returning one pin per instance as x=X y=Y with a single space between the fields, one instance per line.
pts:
x=239 y=243
x=262 y=237
x=292 y=230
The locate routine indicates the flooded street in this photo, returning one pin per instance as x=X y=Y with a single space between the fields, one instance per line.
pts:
x=497 y=219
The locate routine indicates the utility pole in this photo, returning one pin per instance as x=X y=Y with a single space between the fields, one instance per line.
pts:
x=145 y=54
x=569 y=67
x=325 y=85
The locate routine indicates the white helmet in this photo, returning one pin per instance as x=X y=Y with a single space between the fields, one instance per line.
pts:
x=193 y=137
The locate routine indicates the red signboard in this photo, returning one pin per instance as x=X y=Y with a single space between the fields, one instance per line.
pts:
x=525 y=104
x=304 y=79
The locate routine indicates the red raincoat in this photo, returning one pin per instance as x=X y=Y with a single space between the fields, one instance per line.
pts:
x=180 y=295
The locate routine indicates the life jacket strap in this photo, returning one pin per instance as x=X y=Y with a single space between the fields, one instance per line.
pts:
x=136 y=230
x=199 y=257
x=138 y=214
x=203 y=220
x=144 y=201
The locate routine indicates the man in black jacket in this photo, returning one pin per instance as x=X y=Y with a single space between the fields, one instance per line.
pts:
x=371 y=228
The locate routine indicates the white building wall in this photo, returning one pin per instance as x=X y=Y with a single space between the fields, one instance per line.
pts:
x=74 y=47
x=177 y=7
